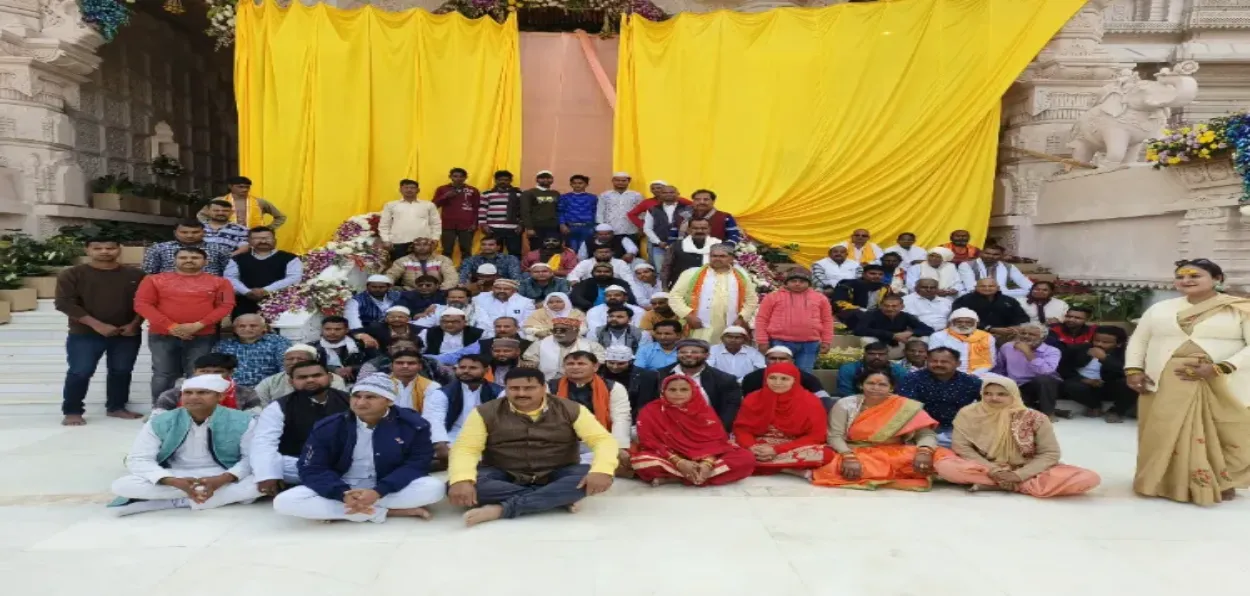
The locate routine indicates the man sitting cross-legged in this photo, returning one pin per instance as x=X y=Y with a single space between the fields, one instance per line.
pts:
x=607 y=400
x=447 y=408
x=195 y=456
x=365 y=464
x=529 y=448
x=236 y=397
x=285 y=423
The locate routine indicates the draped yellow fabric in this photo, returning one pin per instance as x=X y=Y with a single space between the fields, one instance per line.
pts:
x=811 y=123
x=337 y=106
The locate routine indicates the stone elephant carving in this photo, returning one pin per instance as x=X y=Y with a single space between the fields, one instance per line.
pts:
x=1129 y=111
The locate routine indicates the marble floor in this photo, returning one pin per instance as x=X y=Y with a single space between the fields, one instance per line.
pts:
x=762 y=537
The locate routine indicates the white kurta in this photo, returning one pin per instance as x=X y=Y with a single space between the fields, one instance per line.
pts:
x=451 y=343
x=717 y=304
x=488 y=308
x=620 y=269
x=934 y=313
x=405 y=393
x=597 y=317
x=915 y=253
x=1054 y=309
x=745 y=361
x=435 y=413
x=943 y=339
x=548 y=354
x=1224 y=336
x=973 y=270
x=826 y=273
x=267 y=463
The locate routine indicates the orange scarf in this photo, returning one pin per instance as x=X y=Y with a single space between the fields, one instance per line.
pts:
x=697 y=289
x=254 y=216
x=490 y=374
x=979 y=353
x=599 y=397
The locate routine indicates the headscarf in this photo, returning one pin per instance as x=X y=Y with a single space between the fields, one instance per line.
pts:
x=554 y=314
x=788 y=412
x=988 y=426
x=692 y=430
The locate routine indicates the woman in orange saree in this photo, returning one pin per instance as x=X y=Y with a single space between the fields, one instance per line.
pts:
x=783 y=424
x=1003 y=445
x=681 y=439
x=881 y=439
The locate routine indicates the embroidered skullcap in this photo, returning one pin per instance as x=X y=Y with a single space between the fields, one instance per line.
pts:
x=693 y=343
x=614 y=288
x=403 y=309
x=659 y=182
x=238 y=180
x=640 y=265
x=507 y=283
x=734 y=329
x=946 y=253
x=603 y=228
x=544 y=173
x=301 y=348
x=618 y=354
x=452 y=311
x=378 y=278
x=663 y=295
x=964 y=313
x=216 y=383
x=487 y=269
x=566 y=322
x=506 y=342
x=378 y=384
x=539 y=265
x=780 y=350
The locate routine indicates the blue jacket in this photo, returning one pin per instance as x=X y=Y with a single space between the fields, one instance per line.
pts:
x=848 y=372
x=401 y=452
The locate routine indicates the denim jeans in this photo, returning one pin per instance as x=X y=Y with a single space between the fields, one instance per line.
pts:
x=579 y=233
x=656 y=254
x=495 y=487
x=174 y=358
x=83 y=351
x=805 y=352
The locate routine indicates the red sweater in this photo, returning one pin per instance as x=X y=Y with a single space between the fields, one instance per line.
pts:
x=168 y=299
x=635 y=214
x=459 y=210
x=787 y=316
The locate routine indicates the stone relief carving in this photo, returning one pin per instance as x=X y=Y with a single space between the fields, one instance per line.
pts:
x=62 y=20
x=1129 y=111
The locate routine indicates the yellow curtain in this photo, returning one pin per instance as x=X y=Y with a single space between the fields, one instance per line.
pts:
x=337 y=106
x=811 y=123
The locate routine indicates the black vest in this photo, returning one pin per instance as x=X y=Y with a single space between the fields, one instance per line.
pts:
x=434 y=338
x=662 y=225
x=302 y=414
x=455 y=399
x=616 y=244
x=682 y=261
x=258 y=273
x=583 y=395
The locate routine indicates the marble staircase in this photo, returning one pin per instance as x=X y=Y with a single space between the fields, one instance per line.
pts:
x=32 y=367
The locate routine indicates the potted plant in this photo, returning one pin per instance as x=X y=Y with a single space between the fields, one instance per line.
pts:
x=827 y=365
x=17 y=297
x=106 y=192
x=134 y=239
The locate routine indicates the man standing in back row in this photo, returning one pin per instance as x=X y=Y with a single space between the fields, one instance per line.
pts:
x=261 y=271
x=406 y=219
x=459 y=203
x=540 y=208
x=249 y=211
x=98 y=297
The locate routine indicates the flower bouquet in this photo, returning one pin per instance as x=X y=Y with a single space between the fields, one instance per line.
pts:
x=325 y=287
x=1200 y=141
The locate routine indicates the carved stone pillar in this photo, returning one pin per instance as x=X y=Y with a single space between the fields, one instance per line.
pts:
x=1216 y=33
x=1038 y=113
x=45 y=54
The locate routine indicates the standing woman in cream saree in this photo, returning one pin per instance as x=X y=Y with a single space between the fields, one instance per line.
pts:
x=1190 y=360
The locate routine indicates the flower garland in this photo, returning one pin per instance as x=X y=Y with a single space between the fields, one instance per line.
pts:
x=499 y=9
x=747 y=255
x=107 y=16
x=221 y=22
x=324 y=286
x=1214 y=139
x=1237 y=135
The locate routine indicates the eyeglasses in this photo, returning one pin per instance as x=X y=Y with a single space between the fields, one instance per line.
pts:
x=1183 y=262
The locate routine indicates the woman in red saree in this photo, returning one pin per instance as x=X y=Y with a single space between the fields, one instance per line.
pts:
x=881 y=439
x=783 y=424
x=681 y=439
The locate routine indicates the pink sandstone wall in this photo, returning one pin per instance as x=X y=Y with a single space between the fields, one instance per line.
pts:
x=566 y=122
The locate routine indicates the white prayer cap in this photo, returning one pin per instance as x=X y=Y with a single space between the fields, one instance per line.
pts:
x=946 y=253
x=378 y=384
x=734 y=329
x=659 y=182
x=603 y=228
x=618 y=354
x=215 y=383
x=487 y=269
x=640 y=264
x=614 y=288
x=964 y=313
x=544 y=173
x=621 y=175
x=378 y=278
x=452 y=311
x=780 y=350
x=301 y=348
x=403 y=309
x=663 y=295
x=539 y=265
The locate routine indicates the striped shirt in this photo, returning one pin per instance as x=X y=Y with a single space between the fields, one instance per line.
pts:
x=494 y=208
x=229 y=236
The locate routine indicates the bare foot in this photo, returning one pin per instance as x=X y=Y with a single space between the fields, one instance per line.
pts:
x=661 y=481
x=1093 y=412
x=483 y=514
x=73 y=420
x=124 y=415
x=1113 y=418
x=1228 y=495
x=574 y=507
x=420 y=512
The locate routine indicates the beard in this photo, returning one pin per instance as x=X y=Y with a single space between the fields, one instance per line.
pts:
x=309 y=393
x=510 y=362
x=964 y=330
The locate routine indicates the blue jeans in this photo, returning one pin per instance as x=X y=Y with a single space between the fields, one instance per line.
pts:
x=579 y=233
x=656 y=254
x=805 y=352
x=83 y=352
x=174 y=358
x=496 y=487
